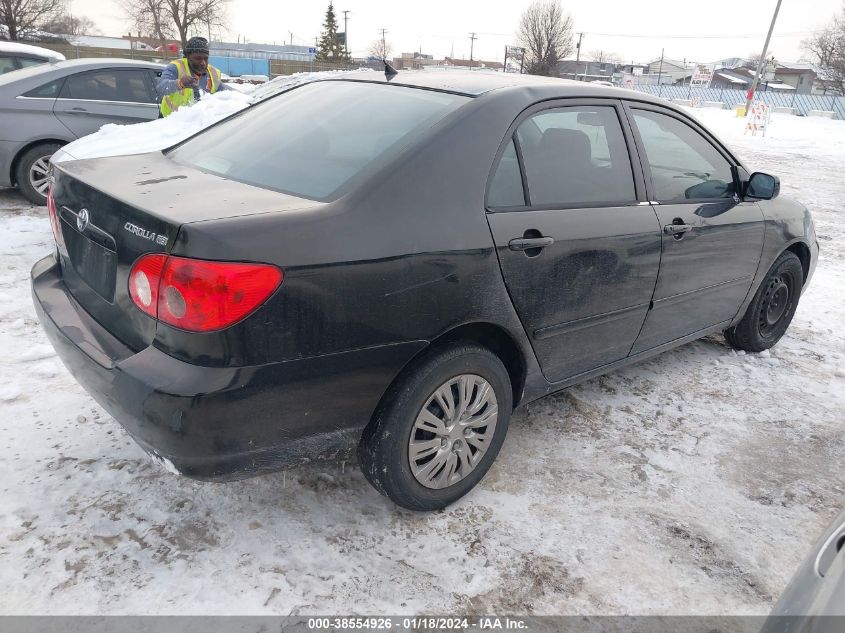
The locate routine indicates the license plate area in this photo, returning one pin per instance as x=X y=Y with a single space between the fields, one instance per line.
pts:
x=93 y=258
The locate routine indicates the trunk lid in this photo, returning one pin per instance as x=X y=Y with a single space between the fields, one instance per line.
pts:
x=113 y=210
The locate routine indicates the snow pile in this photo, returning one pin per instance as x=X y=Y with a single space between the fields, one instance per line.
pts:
x=121 y=140
x=786 y=132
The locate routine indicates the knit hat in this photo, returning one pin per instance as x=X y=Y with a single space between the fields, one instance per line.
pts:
x=196 y=45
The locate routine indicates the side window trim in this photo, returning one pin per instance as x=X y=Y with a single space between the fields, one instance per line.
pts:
x=526 y=194
x=641 y=181
x=630 y=106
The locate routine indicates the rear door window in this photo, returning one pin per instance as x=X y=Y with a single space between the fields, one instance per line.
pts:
x=576 y=156
x=314 y=139
x=108 y=85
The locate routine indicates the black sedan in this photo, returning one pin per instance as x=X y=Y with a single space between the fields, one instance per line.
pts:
x=397 y=263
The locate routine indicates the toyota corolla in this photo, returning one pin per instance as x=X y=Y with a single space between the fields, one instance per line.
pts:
x=395 y=264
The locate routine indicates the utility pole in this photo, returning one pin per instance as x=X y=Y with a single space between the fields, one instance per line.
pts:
x=750 y=96
x=660 y=73
x=472 y=39
x=578 y=54
x=346 y=34
x=383 y=44
x=291 y=37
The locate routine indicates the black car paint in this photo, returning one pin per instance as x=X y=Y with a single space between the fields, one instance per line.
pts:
x=401 y=261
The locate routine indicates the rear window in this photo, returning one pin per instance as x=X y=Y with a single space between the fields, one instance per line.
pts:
x=311 y=141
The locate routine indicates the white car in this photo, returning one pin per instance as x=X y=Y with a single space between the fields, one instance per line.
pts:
x=14 y=56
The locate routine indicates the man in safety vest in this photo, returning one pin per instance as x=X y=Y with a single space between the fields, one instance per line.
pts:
x=184 y=80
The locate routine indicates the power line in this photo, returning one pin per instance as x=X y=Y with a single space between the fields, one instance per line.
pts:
x=654 y=36
x=700 y=37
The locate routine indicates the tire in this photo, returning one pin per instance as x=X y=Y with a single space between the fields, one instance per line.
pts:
x=32 y=162
x=770 y=312
x=396 y=429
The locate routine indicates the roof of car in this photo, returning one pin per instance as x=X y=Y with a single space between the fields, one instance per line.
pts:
x=475 y=83
x=60 y=69
x=26 y=49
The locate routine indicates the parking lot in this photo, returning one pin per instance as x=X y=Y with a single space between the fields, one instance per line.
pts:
x=694 y=482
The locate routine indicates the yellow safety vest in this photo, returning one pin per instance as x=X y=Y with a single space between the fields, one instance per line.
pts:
x=175 y=100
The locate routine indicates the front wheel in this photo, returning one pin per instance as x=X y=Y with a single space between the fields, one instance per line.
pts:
x=772 y=308
x=33 y=172
x=439 y=428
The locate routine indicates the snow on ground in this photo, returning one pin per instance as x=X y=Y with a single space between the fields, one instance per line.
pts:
x=691 y=483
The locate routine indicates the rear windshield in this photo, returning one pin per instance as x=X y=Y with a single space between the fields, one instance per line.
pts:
x=311 y=141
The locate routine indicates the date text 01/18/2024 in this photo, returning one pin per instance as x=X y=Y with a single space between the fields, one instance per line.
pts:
x=416 y=623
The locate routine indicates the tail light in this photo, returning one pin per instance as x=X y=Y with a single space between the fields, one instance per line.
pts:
x=54 y=217
x=199 y=295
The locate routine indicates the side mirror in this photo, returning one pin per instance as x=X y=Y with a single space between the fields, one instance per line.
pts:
x=762 y=186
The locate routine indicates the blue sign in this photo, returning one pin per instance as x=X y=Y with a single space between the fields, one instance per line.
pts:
x=312 y=50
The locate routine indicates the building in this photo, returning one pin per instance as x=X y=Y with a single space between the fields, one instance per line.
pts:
x=263 y=51
x=585 y=70
x=451 y=62
x=799 y=76
x=414 y=61
x=670 y=71
x=730 y=79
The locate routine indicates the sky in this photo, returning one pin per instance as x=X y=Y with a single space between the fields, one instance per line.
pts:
x=636 y=31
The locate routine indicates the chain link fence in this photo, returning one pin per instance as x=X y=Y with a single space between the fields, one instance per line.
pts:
x=802 y=103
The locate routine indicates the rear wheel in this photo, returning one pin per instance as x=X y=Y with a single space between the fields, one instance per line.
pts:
x=439 y=428
x=33 y=172
x=772 y=308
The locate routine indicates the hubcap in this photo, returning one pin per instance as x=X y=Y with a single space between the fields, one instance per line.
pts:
x=39 y=175
x=453 y=431
x=776 y=303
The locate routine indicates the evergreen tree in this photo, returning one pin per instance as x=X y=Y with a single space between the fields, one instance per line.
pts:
x=329 y=48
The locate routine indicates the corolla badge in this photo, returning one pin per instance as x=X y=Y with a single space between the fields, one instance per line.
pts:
x=145 y=233
x=82 y=220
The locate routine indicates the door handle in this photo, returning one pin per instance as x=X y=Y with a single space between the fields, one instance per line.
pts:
x=78 y=111
x=677 y=228
x=527 y=243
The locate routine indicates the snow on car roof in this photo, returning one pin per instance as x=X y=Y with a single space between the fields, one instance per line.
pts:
x=17 y=47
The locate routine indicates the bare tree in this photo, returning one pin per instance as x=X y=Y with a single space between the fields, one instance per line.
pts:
x=754 y=58
x=545 y=29
x=599 y=55
x=23 y=16
x=827 y=51
x=150 y=19
x=380 y=48
x=180 y=19
x=67 y=24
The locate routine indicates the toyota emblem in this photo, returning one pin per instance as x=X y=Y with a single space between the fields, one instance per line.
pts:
x=82 y=220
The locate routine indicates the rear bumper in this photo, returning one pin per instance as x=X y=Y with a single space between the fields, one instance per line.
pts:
x=218 y=423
